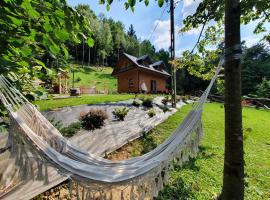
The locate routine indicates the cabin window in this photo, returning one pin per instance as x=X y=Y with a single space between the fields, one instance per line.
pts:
x=130 y=83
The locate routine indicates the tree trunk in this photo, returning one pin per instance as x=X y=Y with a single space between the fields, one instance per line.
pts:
x=89 y=56
x=233 y=175
x=83 y=53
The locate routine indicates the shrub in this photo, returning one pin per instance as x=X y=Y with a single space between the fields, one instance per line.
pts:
x=70 y=130
x=120 y=113
x=151 y=113
x=263 y=89
x=93 y=119
x=165 y=100
x=148 y=102
x=136 y=103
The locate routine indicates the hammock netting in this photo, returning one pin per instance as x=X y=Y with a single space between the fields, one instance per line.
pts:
x=36 y=144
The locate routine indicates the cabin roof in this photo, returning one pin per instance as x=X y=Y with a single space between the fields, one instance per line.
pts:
x=149 y=67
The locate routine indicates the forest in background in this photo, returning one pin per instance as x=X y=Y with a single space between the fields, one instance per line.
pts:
x=38 y=40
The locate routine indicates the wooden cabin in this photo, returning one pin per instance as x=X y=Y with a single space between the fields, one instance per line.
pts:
x=140 y=75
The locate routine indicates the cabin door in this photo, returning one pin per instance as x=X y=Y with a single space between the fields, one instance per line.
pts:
x=153 y=86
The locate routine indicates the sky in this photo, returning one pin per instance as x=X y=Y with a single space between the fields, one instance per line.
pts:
x=145 y=19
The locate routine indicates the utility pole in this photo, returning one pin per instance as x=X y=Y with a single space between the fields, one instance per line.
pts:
x=173 y=77
x=233 y=174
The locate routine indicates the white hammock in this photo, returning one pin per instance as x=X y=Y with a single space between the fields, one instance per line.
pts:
x=35 y=141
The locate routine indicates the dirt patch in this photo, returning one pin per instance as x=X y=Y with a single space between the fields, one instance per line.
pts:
x=123 y=153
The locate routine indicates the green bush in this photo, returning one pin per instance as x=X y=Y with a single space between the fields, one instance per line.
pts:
x=136 y=103
x=151 y=113
x=120 y=113
x=263 y=89
x=148 y=102
x=70 y=130
x=93 y=119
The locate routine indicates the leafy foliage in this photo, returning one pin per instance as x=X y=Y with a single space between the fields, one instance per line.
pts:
x=120 y=113
x=34 y=31
x=255 y=66
x=93 y=119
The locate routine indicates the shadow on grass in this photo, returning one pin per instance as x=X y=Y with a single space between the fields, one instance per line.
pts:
x=105 y=76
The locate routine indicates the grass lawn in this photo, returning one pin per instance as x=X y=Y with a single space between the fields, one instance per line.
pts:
x=95 y=76
x=87 y=99
x=201 y=178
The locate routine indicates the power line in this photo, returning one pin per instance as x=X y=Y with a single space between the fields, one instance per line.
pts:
x=158 y=22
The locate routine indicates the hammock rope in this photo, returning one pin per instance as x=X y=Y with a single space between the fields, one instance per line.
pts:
x=36 y=144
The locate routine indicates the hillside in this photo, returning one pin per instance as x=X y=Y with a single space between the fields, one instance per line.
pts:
x=95 y=76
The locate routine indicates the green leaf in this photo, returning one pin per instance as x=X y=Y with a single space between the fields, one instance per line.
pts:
x=38 y=62
x=65 y=52
x=55 y=49
x=90 y=42
x=146 y=2
x=61 y=34
x=108 y=7
x=126 y=5
x=15 y=20
x=26 y=5
x=160 y=3
x=47 y=25
x=26 y=51
x=132 y=3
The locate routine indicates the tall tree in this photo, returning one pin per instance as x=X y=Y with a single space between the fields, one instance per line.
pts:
x=146 y=48
x=233 y=174
x=131 y=32
x=255 y=66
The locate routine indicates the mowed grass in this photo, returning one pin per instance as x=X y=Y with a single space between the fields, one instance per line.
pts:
x=85 y=99
x=201 y=178
x=95 y=76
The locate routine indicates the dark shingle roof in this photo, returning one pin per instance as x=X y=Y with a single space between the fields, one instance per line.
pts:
x=150 y=67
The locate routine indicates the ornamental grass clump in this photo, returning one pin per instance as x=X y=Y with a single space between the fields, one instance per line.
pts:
x=72 y=129
x=120 y=113
x=136 y=103
x=151 y=113
x=148 y=102
x=93 y=119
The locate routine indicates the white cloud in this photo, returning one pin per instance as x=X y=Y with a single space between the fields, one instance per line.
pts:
x=178 y=53
x=190 y=6
x=251 y=40
x=161 y=36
